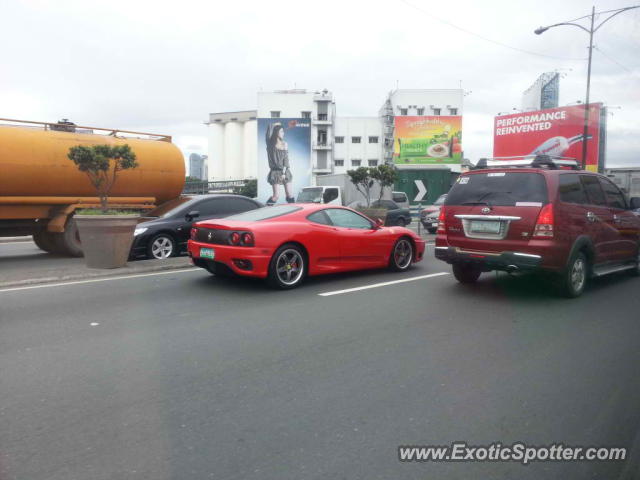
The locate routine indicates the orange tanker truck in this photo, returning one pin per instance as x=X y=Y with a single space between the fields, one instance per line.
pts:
x=40 y=188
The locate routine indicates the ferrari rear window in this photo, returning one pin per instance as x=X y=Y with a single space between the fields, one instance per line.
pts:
x=264 y=213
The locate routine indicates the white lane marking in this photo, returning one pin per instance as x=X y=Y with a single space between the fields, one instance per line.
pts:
x=23 y=242
x=383 y=284
x=94 y=324
x=94 y=280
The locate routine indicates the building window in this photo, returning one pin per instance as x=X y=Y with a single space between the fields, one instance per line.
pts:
x=373 y=163
x=339 y=162
x=403 y=111
x=356 y=163
x=306 y=114
x=339 y=139
x=453 y=111
x=421 y=111
x=322 y=116
x=275 y=114
x=373 y=139
x=356 y=139
x=436 y=111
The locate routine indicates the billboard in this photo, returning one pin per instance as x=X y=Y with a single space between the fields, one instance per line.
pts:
x=284 y=157
x=427 y=140
x=554 y=131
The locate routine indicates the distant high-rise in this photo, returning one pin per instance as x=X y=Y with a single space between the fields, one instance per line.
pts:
x=198 y=166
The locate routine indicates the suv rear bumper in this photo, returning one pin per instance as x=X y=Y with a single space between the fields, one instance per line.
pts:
x=487 y=261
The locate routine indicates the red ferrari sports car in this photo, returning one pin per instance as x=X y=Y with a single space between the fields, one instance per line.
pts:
x=285 y=243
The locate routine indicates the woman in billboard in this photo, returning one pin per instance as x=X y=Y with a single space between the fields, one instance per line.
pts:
x=279 y=170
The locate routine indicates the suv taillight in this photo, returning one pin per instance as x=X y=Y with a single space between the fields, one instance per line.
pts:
x=544 y=225
x=442 y=227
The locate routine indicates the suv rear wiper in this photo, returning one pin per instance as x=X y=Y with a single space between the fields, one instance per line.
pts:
x=476 y=203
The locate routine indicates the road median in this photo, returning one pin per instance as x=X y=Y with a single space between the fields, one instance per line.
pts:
x=80 y=272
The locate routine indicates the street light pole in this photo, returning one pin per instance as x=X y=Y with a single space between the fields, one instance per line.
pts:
x=586 y=102
x=593 y=29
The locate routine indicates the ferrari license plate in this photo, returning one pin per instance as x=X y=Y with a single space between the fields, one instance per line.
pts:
x=207 y=253
x=483 y=226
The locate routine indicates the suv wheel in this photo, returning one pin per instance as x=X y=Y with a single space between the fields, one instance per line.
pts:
x=574 y=279
x=636 y=271
x=466 y=273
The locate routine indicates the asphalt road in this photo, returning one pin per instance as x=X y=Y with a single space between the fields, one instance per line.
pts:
x=186 y=376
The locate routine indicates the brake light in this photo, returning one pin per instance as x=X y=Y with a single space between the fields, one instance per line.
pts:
x=544 y=224
x=247 y=239
x=194 y=233
x=442 y=225
x=235 y=238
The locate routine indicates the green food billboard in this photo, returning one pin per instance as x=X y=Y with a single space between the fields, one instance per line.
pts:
x=427 y=140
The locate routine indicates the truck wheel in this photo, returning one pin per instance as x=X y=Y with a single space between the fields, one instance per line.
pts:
x=44 y=241
x=68 y=242
x=400 y=222
x=466 y=273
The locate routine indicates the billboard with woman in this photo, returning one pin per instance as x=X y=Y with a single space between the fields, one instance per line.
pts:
x=284 y=158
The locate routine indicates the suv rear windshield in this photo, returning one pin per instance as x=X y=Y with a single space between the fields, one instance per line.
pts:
x=498 y=188
x=264 y=213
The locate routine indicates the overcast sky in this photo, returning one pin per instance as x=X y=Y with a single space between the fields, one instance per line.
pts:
x=163 y=66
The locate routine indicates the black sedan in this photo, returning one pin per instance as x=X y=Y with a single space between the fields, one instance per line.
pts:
x=164 y=231
x=396 y=216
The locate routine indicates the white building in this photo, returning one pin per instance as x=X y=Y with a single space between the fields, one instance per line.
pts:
x=357 y=143
x=338 y=144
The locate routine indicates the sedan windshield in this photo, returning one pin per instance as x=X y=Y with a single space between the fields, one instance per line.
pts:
x=169 y=208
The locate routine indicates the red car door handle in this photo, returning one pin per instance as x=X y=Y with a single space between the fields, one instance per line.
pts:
x=591 y=216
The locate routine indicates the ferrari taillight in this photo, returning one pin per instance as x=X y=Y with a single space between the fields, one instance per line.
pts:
x=247 y=239
x=194 y=233
x=234 y=238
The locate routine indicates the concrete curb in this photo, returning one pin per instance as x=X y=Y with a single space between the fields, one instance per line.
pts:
x=15 y=239
x=89 y=274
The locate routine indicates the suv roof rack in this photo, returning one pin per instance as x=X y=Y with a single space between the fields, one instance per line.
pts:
x=549 y=162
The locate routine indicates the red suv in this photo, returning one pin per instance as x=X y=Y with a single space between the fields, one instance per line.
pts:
x=538 y=214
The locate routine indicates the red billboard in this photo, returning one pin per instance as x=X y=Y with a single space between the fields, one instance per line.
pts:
x=554 y=131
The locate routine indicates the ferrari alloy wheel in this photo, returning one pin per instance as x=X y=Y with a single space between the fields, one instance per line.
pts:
x=161 y=246
x=402 y=255
x=288 y=267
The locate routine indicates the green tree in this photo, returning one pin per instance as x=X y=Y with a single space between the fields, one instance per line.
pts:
x=361 y=178
x=102 y=163
x=385 y=175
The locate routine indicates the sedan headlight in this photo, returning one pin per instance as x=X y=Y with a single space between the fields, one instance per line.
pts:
x=139 y=231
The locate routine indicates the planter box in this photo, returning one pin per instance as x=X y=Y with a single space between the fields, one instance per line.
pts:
x=374 y=213
x=106 y=239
